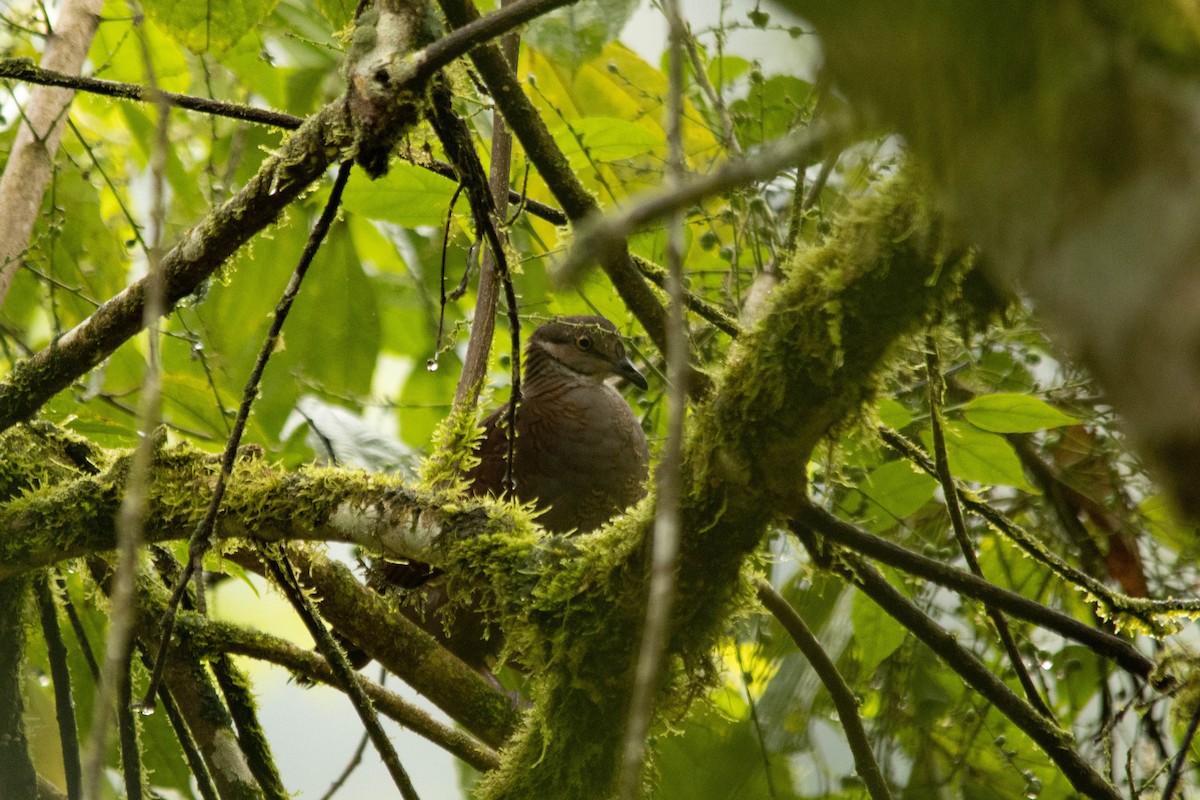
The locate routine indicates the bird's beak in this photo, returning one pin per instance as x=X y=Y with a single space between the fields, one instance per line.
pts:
x=629 y=372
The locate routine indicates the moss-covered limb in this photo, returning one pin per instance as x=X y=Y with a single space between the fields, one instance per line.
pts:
x=301 y=159
x=1063 y=134
x=17 y=775
x=190 y=683
x=812 y=360
x=70 y=518
x=375 y=625
x=253 y=740
x=211 y=637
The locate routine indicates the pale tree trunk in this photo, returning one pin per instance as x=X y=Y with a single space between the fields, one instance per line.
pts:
x=29 y=165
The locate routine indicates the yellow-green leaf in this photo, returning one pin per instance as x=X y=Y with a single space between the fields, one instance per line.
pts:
x=1014 y=413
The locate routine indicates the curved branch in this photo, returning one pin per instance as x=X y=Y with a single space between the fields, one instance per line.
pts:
x=843 y=698
x=211 y=637
x=1057 y=743
x=1103 y=644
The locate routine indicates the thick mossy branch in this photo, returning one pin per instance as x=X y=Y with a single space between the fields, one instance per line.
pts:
x=572 y=606
x=810 y=363
x=72 y=514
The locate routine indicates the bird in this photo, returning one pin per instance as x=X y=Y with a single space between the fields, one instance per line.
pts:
x=580 y=454
x=579 y=457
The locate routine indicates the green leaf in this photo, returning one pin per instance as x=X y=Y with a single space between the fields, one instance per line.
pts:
x=212 y=25
x=605 y=139
x=578 y=33
x=408 y=195
x=724 y=70
x=338 y=12
x=976 y=455
x=894 y=414
x=898 y=488
x=877 y=634
x=1014 y=413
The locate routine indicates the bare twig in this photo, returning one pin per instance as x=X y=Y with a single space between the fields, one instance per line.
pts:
x=202 y=537
x=665 y=535
x=1102 y=643
x=937 y=387
x=843 y=698
x=350 y=683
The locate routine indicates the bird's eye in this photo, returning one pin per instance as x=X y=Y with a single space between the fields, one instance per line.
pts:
x=584 y=342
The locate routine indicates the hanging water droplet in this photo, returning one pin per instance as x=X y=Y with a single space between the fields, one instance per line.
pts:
x=431 y=365
x=43 y=680
x=146 y=709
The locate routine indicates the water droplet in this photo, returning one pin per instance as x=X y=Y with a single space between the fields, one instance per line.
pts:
x=431 y=365
x=145 y=709
x=43 y=680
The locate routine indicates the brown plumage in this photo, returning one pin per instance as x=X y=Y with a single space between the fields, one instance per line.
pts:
x=579 y=456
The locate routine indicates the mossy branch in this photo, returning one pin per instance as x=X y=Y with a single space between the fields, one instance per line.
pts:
x=572 y=606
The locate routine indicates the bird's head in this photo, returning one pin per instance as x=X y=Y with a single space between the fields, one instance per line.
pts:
x=589 y=346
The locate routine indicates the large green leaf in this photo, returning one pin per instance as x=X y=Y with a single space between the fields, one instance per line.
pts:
x=208 y=25
x=877 y=634
x=898 y=488
x=605 y=139
x=408 y=195
x=1014 y=413
x=579 y=32
x=976 y=455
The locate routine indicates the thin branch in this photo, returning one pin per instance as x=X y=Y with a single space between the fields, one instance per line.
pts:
x=1053 y=740
x=843 y=698
x=355 y=760
x=1157 y=614
x=603 y=234
x=131 y=519
x=658 y=276
x=251 y=737
x=64 y=699
x=20 y=69
x=127 y=727
x=201 y=539
x=664 y=549
x=488 y=291
x=348 y=680
x=937 y=389
x=1181 y=757
x=1102 y=643
x=187 y=742
x=530 y=129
